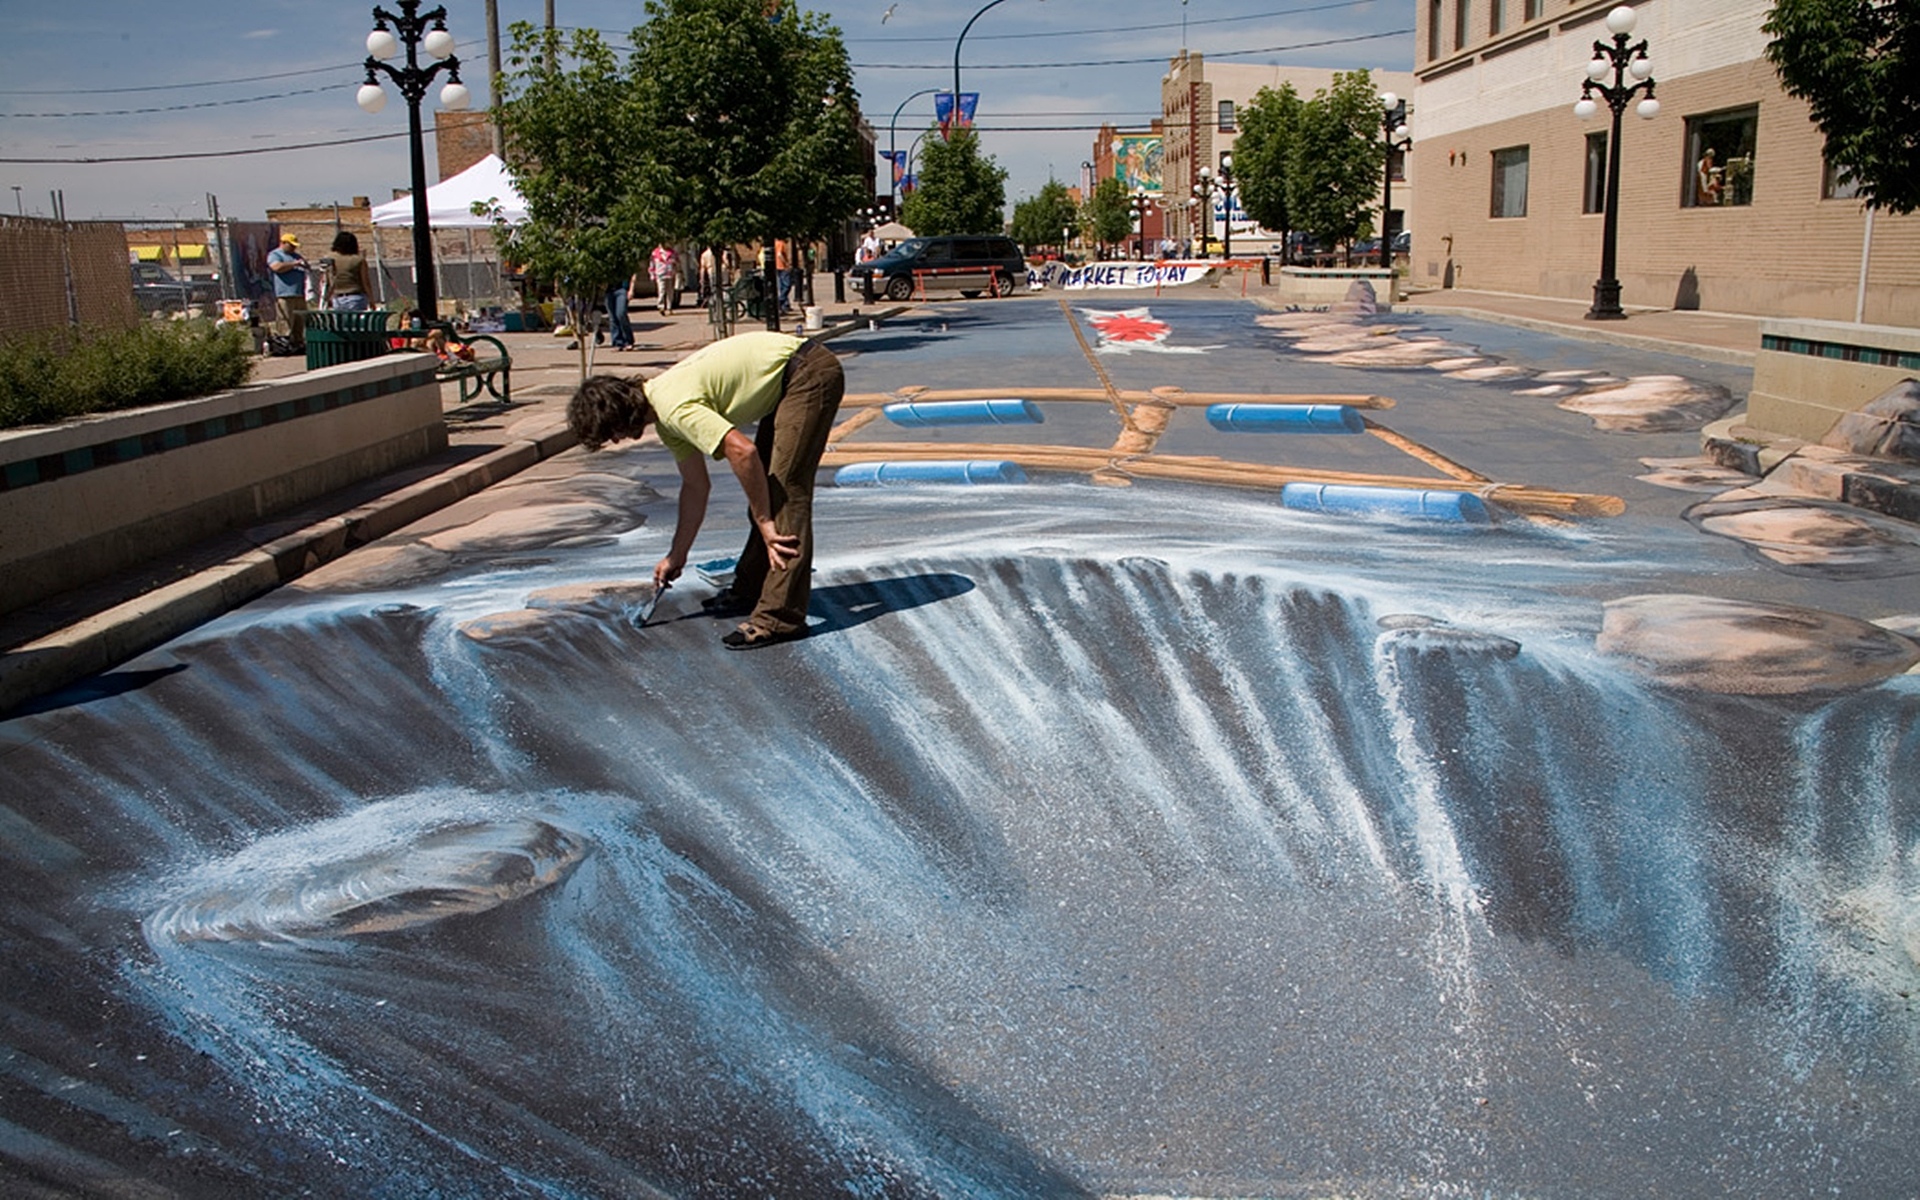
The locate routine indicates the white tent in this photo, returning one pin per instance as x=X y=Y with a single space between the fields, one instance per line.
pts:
x=450 y=202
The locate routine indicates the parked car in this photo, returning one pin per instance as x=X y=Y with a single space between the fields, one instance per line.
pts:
x=892 y=272
x=158 y=291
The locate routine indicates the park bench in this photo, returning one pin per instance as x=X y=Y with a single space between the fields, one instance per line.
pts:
x=968 y=281
x=490 y=369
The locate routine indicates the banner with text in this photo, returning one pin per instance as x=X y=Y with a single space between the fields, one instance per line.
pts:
x=1116 y=275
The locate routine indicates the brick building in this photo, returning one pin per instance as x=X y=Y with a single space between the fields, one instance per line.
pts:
x=1513 y=182
x=1200 y=104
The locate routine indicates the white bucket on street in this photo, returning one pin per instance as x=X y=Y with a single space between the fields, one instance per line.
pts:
x=816 y=318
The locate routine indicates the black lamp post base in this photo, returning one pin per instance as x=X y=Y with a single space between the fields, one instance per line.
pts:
x=1606 y=301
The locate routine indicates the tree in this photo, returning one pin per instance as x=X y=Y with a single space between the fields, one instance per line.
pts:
x=1857 y=65
x=567 y=121
x=959 y=192
x=1043 y=218
x=751 y=121
x=1107 y=215
x=1268 y=129
x=1334 y=163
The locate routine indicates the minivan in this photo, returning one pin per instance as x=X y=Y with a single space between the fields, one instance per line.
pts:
x=892 y=272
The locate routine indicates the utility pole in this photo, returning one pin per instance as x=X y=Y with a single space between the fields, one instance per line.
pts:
x=493 y=71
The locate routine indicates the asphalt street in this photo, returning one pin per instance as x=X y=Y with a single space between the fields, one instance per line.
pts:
x=1111 y=834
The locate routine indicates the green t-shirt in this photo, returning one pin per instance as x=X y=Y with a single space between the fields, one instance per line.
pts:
x=729 y=384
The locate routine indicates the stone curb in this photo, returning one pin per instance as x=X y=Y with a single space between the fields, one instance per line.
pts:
x=1594 y=333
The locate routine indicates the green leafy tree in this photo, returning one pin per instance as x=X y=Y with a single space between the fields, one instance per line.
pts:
x=1042 y=219
x=1106 y=214
x=1268 y=128
x=959 y=191
x=750 y=122
x=568 y=122
x=1857 y=65
x=1334 y=163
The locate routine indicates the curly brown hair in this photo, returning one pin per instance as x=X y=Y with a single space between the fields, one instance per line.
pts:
x=608 y=408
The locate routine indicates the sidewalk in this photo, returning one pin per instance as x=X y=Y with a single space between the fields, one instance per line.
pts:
x=1717 y=337
x=90 y=629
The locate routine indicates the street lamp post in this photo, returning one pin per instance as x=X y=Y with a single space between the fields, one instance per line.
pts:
x=1622 y=60
x=1393 y=125
x=1226 y=206
x=1203 y=196
x=956 y=54
x=893 y=144
x=1140 y=204
x=415 y=30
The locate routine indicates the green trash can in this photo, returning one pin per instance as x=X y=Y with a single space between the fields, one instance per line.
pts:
x=336 y=336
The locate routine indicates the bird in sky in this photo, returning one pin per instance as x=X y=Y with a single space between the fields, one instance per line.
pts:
x=888 y=13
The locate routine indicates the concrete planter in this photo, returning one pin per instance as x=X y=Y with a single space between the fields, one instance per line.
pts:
x=92 y=497
x=1808 y=374
x=1318 y=287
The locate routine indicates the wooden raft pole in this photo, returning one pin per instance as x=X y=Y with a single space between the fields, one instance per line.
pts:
x=1521 y=498
x=1160 y=396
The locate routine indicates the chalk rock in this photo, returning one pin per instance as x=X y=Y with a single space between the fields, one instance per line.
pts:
x=1887 y=427
x=1360 y=299
x=1801 y=532
x=1745 y=648
x=1652 y=404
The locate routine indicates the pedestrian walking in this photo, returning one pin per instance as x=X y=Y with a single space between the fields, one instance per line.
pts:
x=700 y=407
x=618 y=300
x=783 y=272
x=664 y=265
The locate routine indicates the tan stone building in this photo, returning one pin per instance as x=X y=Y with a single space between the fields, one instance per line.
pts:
x=1200 y=104
x=1513 y=183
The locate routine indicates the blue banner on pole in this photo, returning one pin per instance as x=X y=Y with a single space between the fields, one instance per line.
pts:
x=943 y=110
x=898 y=158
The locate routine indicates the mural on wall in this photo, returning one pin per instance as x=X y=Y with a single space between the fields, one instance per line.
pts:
x=1136 y=162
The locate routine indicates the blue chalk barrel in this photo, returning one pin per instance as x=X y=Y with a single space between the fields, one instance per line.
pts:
x=978 y=470
x=1460 y=507
x=963 y=412
x=1286 y=418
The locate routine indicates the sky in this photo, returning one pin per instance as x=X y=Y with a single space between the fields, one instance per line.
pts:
x=142 y=109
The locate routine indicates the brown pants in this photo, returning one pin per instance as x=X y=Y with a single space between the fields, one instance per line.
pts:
x=293 y=314
x=791 y=440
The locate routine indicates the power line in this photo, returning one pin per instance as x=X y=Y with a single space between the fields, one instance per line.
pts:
x=1129 y=62
x=1014 y=37
x=174 y=87
x=131 y=158
x=132 y=112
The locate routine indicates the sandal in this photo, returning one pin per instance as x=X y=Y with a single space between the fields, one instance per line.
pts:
x=751 y=637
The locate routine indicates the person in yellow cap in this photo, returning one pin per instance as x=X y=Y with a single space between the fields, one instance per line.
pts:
x=290 y=289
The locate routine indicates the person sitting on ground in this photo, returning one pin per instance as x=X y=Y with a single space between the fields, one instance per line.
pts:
x=699 y=406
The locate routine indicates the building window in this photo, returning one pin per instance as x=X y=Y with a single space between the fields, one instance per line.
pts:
x=1509 y=182
x=1397 y=166
x=1532 y=10
x=1462 y=23
x=1836 y=183
x=1226 y=116
x=1434 y=24
x=1720 y=158
x=1593 y=196
x=1496 y=15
